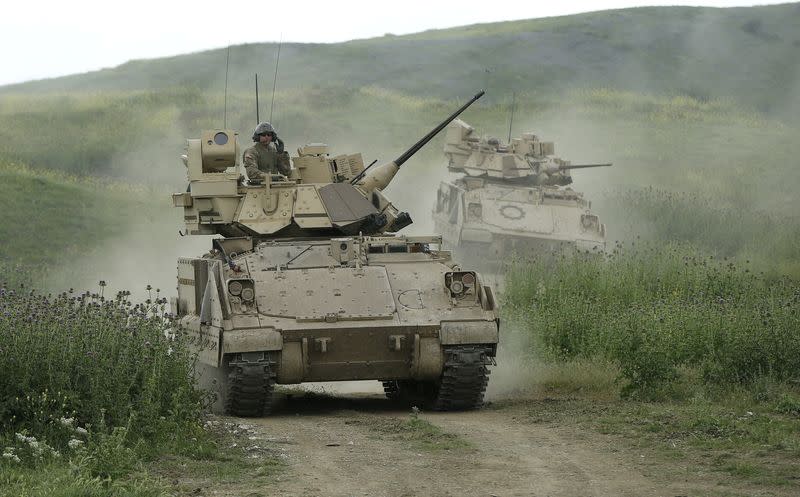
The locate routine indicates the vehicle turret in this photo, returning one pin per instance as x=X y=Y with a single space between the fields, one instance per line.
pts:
x=323 y=195
x=526 y=160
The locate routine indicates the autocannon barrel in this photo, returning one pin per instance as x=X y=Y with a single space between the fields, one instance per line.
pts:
x=582 y=166
x=421 y=143
x=380 y=177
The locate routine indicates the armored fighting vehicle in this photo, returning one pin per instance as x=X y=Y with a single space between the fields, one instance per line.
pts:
x=310 y=282
x=510 y=199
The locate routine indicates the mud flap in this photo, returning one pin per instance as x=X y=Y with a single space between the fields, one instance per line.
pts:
x=427 y=358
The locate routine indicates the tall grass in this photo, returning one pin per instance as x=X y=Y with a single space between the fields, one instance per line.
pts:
x=92 y=379
x=656 y=308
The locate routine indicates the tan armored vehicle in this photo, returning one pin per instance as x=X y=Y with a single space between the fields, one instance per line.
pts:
x=310 y=283
x=510 y=200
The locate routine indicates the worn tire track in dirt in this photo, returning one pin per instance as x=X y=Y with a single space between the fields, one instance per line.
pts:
x=334 y=452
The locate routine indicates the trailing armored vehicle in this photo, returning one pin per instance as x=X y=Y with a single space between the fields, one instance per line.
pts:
x=510 y=199
x=309 y=282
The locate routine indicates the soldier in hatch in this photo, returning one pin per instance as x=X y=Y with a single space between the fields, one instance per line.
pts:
x=266 y=155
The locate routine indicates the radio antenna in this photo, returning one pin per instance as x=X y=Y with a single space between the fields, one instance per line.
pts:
x=511 y=121
x=275 y=80
x=258 y=119
x=225 y=112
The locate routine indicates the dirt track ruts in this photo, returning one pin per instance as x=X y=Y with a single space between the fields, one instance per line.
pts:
x=331 y=451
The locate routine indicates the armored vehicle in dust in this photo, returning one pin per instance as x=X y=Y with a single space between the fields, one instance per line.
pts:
x=510 y=200
x=309 y=282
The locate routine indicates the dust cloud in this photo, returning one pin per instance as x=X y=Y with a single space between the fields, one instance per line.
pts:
x=515 y=373
x=147 y=251
x=155 y=161
x=146 y=255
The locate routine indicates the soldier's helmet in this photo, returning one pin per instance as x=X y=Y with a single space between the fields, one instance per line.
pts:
x=262 y=128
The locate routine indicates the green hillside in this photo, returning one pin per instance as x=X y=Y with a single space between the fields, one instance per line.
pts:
x=750 y=54
x=54 y=220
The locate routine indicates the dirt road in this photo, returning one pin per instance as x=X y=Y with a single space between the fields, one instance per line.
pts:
x=333 y=448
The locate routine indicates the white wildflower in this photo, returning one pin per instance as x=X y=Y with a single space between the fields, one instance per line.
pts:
x=74 y=443
x=66 y=422
x=38 y=449
x=81 y=431
x=11 y=456
x=170 y=351
x=24 y=439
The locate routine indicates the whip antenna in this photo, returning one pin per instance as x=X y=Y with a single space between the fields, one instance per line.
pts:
x=275 y=80
x=225 y=112
x=258 y=120
x=511 y=121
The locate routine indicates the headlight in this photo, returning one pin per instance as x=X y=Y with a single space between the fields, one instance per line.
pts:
x=243 y=288
x=460 y=283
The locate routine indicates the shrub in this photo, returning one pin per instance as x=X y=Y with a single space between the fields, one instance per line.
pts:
x=86 y=371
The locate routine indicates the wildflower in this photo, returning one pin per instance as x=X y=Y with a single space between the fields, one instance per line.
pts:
x=81 y=431
x=74 y=443
x=11 y=456
x=66 y=422
x=169 y=351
